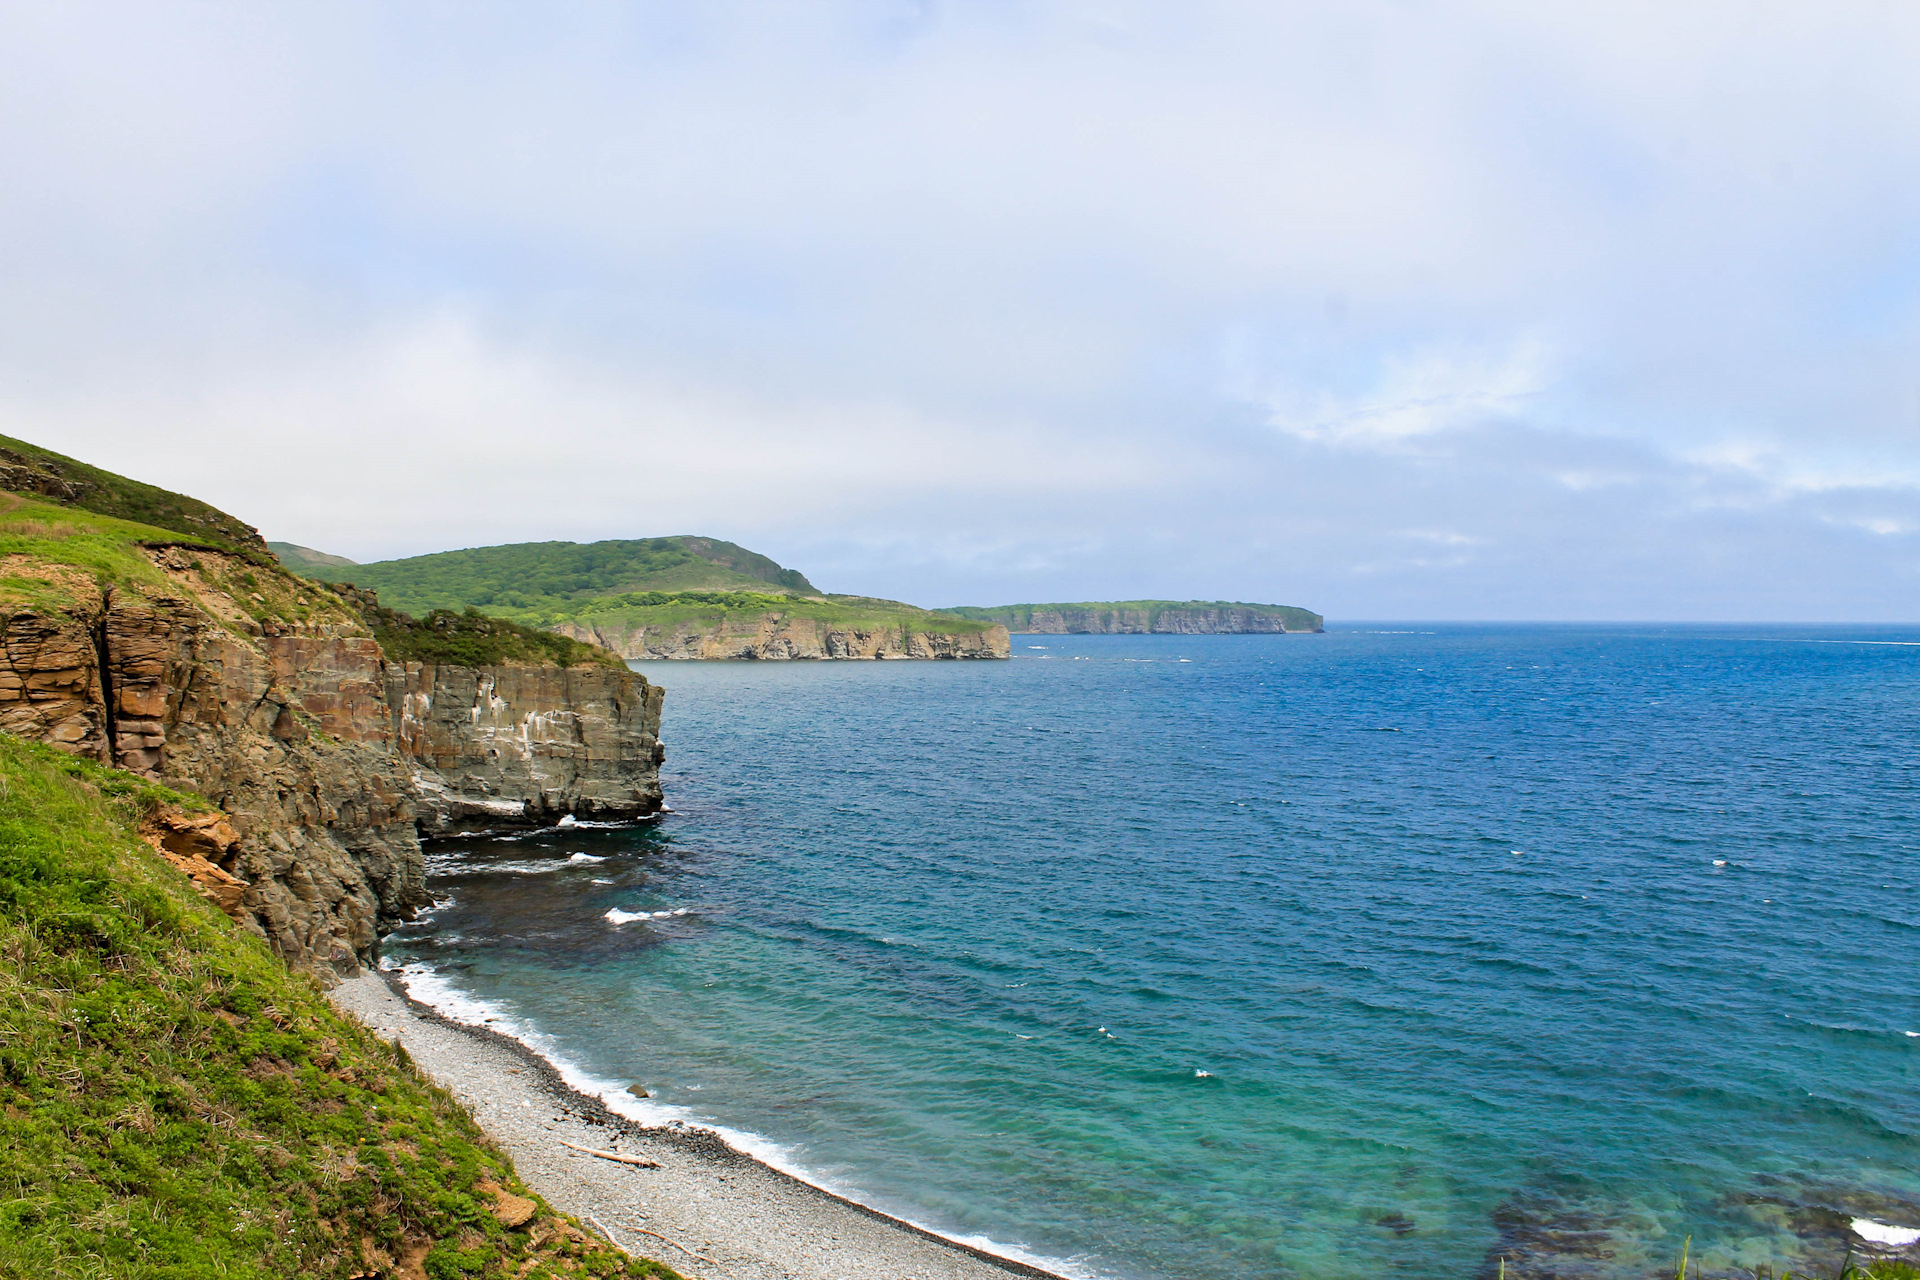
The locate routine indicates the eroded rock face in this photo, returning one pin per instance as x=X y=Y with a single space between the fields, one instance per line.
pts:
x=300 y=733
x=289 y=735
x=777 y=638
x=505 y=745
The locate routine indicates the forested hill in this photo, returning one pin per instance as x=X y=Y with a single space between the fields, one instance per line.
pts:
x=1147 y=617
x=551 y=577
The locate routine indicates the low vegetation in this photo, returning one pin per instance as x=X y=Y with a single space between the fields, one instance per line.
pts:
x=174 y=1103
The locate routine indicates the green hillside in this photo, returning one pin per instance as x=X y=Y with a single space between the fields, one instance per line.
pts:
x=527 y=579
x=300 y=559
x=174 y=1102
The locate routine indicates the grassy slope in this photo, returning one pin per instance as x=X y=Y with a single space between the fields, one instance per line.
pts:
x=108 y=494
x=1019 y=616
x=174 y=1103
x=56 y=557
x=535 y=577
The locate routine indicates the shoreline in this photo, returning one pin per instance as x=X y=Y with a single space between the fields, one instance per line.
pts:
x=709 y=1210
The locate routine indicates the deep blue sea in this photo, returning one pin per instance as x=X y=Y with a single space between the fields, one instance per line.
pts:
x=1397 y=950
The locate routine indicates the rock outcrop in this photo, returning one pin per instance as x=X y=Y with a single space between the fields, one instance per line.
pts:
x=526 y=744
x=775 y=637
x=269 y=697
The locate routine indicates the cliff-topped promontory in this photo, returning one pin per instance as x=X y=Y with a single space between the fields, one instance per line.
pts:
x=753 y=625
x=1148 y=617
x=678 y=597
x=150 y=632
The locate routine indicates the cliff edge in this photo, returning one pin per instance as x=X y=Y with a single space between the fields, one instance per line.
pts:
x=330 y=732
x=715 y=626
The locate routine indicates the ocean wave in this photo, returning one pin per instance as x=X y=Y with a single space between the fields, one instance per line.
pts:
x=1885 y=1233
x=618 y=916
x=531 y=867
x=433 y=990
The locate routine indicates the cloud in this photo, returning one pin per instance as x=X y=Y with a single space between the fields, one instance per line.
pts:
x=975 y=301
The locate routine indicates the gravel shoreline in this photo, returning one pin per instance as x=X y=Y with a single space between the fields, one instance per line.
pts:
x=708 y=1211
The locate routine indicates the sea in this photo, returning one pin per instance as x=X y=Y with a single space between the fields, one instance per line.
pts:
x=1407 y=949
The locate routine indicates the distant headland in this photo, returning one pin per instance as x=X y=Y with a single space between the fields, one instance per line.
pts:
x=1148 y=617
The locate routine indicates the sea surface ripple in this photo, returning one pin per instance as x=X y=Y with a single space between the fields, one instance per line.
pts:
x=1407 y=947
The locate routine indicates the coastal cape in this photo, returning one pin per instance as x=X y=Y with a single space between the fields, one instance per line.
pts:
x=682 y=597
x=1148 y=617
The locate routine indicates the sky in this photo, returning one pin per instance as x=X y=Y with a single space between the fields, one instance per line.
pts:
x=1385 y=308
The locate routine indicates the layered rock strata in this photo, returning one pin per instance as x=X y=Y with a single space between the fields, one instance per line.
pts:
x=526 y=744
x=327 y=759
x=774 y=637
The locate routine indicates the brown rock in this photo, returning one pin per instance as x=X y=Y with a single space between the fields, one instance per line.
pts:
x=511 y=1211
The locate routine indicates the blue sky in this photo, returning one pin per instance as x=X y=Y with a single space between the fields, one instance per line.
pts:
x=1389 y=309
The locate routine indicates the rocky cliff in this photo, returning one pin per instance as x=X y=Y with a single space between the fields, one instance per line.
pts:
x=212 y=670
x=1149 y=617
x=526 y=744
x=780 y=636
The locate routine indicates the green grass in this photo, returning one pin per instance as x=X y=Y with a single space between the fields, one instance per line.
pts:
x=52 y=557
x=534 y=577
x=1850 y=1269
x=1019 y=617
x=55 y=557
x=57 y=478
x=174 y=1104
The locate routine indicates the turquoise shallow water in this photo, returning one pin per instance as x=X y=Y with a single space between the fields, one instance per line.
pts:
x=1403 y=948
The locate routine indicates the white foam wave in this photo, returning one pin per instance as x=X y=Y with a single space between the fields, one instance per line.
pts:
x=622 y=917
x=1882 y=1233
x=531 y=867
x=439 y=994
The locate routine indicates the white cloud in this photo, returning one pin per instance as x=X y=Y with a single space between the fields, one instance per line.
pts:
x=1002 y=300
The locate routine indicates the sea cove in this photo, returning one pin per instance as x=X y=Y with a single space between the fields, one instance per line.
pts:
x=1402 y=948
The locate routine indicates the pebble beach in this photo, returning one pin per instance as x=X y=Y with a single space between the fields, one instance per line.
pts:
x=678 y=1195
